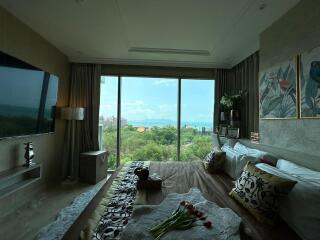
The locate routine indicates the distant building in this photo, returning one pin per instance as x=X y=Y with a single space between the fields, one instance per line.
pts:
x=112 y=122
x=141 y=129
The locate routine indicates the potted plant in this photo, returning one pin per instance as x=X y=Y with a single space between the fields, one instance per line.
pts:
x=229 y=103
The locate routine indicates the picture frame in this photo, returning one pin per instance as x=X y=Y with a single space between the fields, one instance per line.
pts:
x=279 y=96
x=309 y=87
x=223 y=130
x=233 y=132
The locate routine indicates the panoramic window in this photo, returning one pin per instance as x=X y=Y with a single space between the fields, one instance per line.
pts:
x=108 y=117
x=197 y=101
x=149 y=111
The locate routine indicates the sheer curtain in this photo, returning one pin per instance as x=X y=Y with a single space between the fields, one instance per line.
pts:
x=82 y=136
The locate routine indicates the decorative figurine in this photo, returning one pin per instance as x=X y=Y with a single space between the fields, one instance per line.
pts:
x=29 y=154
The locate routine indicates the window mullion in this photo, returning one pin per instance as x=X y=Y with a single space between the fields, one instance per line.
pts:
x=179 y=119
x=119 y=121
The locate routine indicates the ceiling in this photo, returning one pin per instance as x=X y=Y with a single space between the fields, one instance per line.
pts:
x=189 y=33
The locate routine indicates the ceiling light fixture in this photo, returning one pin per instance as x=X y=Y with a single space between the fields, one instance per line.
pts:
x=170 y=51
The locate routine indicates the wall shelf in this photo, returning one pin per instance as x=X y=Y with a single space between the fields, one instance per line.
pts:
x=14 y=179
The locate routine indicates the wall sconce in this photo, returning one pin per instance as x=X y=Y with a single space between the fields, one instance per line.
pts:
x=72 y=113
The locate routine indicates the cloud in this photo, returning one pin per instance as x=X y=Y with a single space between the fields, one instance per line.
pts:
x=137 y=109
x=166 y=82
x=135 y=103
x=167 y=108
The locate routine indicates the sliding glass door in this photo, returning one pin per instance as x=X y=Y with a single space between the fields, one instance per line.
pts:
x=160 y=119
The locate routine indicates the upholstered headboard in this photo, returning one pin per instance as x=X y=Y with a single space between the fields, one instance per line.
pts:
x=303 y=159
x=306 y=160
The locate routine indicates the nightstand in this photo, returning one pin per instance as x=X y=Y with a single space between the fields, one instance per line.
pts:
x=93 y=166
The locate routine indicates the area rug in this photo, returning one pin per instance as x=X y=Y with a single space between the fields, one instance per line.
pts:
x=225 y=222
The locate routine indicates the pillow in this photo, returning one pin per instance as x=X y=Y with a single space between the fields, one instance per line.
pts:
x=299 y=172
x=259 y=192
x=235 y=161
x=301 y=207
x=214 y=161
x=232 y=160
x=263 y=157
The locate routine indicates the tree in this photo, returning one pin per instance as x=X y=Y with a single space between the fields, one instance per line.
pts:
x=157 y=144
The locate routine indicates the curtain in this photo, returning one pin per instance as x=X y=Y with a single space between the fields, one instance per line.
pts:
x=222 y=77
x=243 y=76
x=82 y=136
x=246 y=77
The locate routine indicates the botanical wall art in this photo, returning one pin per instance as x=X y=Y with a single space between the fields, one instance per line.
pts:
x=310 y=84
x=278 y=91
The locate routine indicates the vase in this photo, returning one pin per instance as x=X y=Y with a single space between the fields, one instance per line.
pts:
x=235 y=118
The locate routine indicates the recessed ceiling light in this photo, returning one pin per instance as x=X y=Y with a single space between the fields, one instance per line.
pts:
x=262 y=6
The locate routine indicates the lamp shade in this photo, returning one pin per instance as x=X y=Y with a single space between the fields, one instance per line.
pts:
x=72 y=113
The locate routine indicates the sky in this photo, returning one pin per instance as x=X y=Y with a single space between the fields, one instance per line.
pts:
x=146 y=98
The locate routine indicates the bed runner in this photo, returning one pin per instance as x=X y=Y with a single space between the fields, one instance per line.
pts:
x=118 y=211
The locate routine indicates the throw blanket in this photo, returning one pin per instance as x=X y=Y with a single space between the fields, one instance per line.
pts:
x=118 y=211
x=225 y=221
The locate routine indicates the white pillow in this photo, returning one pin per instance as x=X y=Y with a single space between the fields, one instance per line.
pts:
x=260 y=155
x=301 y=207
x=235 y=161
x=298 y=171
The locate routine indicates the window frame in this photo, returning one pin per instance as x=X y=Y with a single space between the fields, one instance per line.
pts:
x=119 y=95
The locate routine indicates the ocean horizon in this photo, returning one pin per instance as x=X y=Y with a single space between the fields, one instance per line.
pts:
x=163 y=123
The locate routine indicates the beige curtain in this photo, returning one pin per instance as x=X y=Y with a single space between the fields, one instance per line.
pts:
x=244 y=76
x=82 y=136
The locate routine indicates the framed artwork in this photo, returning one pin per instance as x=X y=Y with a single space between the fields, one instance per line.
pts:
x=278 y=91
x=233 y=132
x=310 y=84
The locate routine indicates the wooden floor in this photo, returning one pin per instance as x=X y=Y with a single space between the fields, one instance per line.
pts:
x=26 y=221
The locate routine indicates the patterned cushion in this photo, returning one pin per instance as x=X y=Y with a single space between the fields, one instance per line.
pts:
x=214 y=160
x=260 y=192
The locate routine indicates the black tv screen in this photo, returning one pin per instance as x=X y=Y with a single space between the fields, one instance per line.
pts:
x=28 y=98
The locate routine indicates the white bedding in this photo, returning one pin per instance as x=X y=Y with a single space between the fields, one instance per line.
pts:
x=299 y=172
x=301 y=207
x=235 y=161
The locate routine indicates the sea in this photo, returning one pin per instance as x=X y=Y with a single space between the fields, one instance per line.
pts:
x=164 y=123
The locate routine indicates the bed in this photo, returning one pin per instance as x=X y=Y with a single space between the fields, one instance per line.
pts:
x=179 y=177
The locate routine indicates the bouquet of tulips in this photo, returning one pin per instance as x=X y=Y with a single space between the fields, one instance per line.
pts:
x=182 y=218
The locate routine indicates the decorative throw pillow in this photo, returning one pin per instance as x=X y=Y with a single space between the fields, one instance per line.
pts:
x=214 y=160
x=232 y=165
x=260 y=192
x=263 y=156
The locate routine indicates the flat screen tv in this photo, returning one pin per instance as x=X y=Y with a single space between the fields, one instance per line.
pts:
x=28 y=97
